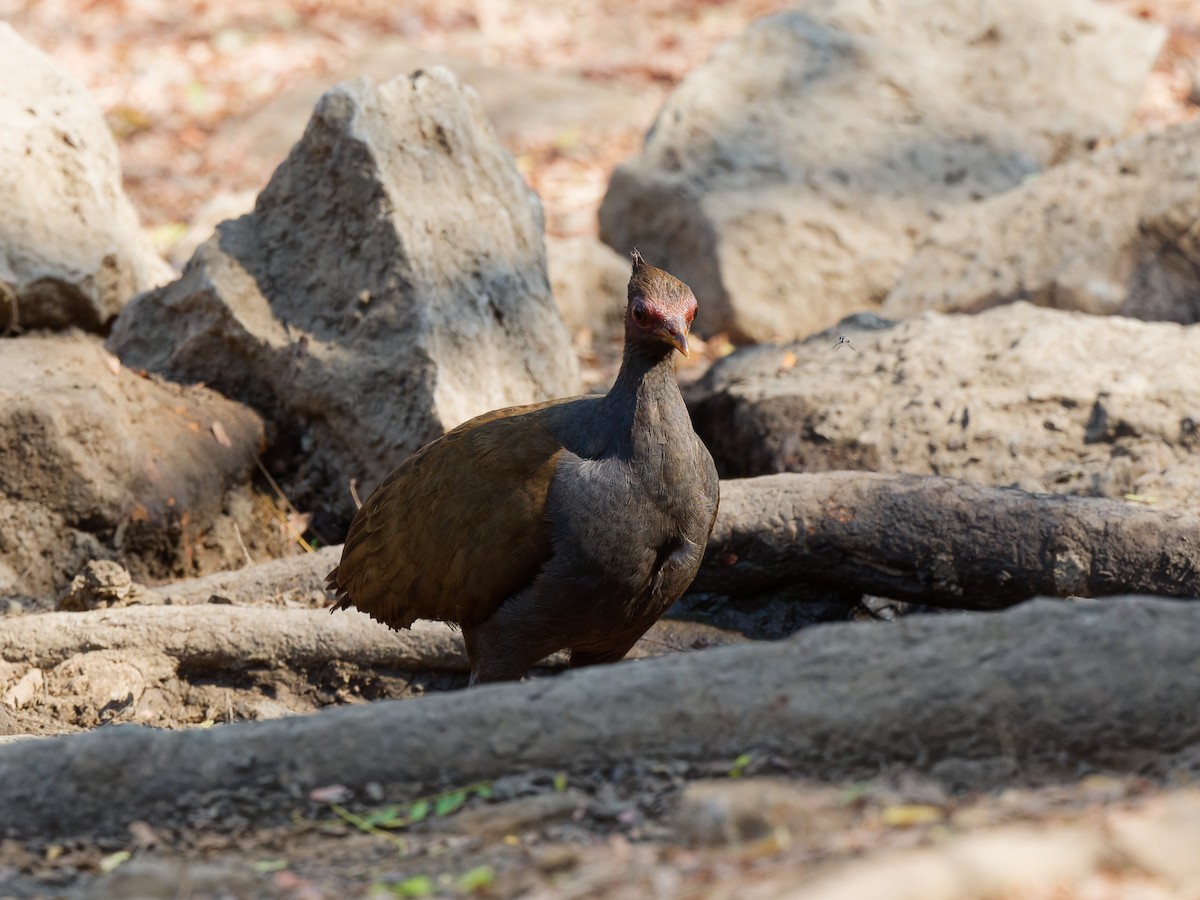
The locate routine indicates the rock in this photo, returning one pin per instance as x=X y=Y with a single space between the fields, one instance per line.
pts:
x=97 y=461
x=71 y=249
x=389 y=285
x=1009 y=861
x=529 y=110
x=523 y=106
x=737 y=810
x=151 y=876
x=24 y=689
x=1041 y=399
x=106 y=685
x=789 y=177
x=1110 y=233
x=225 y=205
x=103 y=583
x=1144 y=849
x=39 y=551
x=588 y=280
x=496 y=820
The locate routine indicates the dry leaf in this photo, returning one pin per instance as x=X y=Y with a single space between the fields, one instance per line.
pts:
x=906 y=814
x=298 y=522
x=330 y=793
x=113 y=860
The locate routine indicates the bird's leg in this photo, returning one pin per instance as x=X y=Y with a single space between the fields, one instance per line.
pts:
x=485 y=666
x=510 y=641
x=581 y=658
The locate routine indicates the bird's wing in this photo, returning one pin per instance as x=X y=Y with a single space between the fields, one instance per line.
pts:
x=458 y=527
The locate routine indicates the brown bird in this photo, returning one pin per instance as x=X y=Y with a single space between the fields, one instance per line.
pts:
x=572 y=524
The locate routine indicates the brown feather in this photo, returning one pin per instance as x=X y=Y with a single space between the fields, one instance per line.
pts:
x=458 y=495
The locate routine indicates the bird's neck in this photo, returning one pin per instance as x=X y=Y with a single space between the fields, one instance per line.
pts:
x=646 y=370
x=645 y=398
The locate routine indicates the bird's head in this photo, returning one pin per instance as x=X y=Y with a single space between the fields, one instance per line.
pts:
x=661 y=307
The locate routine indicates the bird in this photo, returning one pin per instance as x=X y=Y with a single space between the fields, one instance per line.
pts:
x=570 y=524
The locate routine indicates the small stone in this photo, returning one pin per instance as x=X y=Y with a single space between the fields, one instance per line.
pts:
x=739 y=810
x=102 y=583
x=555 y=857
x=330 y=793
x=27 y=687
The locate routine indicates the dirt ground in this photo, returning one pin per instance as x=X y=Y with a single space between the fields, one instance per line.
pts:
x=747 y=826
x=638 y=833
x=174 y=78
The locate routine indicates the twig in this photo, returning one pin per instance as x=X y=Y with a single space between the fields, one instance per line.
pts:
x=354 y=493
x=287 y=504
x=667 y=645
x=238 y=534
x=363 y=825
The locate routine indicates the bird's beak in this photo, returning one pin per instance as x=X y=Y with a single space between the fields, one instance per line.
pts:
x=675 y=334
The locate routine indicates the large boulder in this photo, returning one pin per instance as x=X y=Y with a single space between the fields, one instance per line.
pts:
x=589 y=282
x=389 y=284
x=524 y=106
x=1019 y=395
x=71 y=249
x=527 y=109
x=788 y=178
x=1110 y=233
x=96 y=461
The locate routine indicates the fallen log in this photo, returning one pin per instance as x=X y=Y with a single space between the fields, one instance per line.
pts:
x=942 y=542
x=236 y=638
x=1041 y=691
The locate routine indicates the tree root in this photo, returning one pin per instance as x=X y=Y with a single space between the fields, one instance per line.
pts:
x=236 y=638
x=1038 y=692
x=942 y=542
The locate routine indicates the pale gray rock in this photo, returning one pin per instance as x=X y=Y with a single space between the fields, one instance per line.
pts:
x=71 y=249
x=102 y=582
x=1018 y=395
x=522 y=105
x=389 y=285
x=204 y=221
x=1112 y=233
x=98 y=461
x=788 y=179
x=589 y=281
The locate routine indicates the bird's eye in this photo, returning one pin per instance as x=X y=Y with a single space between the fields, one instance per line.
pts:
x=639 y=315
